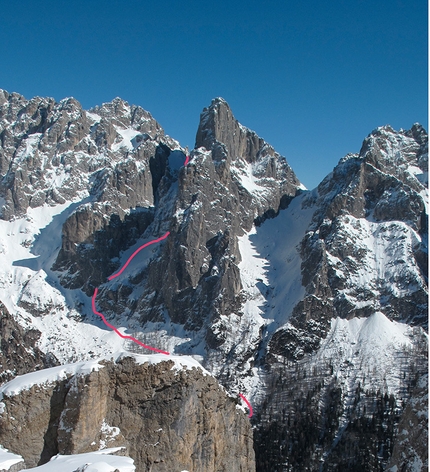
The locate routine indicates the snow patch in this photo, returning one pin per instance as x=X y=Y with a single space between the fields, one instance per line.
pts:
x=385 y=248
x=26 y=149
x=367 y=347
x=180 y=362
x=94 y=117
x=269 y=253
x=244 y=173
x=109 y=433
x=47 y=376
x=8 y=459
x=127 y=136
x=98 y=461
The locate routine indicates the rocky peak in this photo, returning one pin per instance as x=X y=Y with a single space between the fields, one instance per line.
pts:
x=120 y=113
x=218 y=127
x=386 y=180
x=372 y=199
x=394 y=153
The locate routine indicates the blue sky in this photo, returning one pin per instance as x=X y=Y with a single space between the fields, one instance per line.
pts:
x=312 y=78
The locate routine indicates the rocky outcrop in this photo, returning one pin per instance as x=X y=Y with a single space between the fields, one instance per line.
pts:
x=18 y=352
x=167 y=419
x=229 y=184
x=109 y=160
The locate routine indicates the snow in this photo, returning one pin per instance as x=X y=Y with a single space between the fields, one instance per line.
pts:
x=270 y=266
x=26 y=149
x=419 y=174
x=367 y=351
x=385 y=247
x=369 y=345
x=47 y=376
x=93 y=116
x=271 y=280
x=423 y=178
x=109 y=433
x=53 y=374
x=28 y=247
x=246 y=173
x=370 y=351
x=179 y=362
x=8 y=459
x=126 y=137
x=98 y=461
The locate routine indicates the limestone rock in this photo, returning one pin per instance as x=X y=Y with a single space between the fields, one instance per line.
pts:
x=167 y=419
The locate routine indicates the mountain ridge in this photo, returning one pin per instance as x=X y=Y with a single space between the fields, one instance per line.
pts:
x=257 y=275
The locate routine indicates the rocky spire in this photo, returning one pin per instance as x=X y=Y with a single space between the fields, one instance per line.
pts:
x=219 y=126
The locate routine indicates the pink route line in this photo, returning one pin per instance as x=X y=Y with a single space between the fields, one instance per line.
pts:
x=93 y=302
x=154 y=241
x=118 y=332
x=247 y=404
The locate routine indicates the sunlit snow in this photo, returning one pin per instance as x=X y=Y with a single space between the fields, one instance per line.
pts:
x=8 y=459
x=98 y=461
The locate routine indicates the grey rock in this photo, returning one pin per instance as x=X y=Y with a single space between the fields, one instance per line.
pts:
x=18 y=351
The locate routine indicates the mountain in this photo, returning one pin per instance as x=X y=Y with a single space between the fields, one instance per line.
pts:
x=311 y=304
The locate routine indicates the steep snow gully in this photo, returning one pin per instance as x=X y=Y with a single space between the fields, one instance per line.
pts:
x=131 y=338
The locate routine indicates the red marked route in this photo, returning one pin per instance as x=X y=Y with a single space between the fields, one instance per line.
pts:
x=118 y=332
x=154 y=241
x=93 y=304
x=247 y=404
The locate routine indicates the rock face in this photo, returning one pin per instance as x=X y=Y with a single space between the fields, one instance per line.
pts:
x=52 y=152
x=222 y=191
x=167 y=419
x=18 y=352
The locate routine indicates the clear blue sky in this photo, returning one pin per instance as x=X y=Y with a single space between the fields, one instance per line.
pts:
x=312 y=78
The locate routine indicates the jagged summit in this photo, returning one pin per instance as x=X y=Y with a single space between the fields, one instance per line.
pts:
x=74 y=152
x=220 y=132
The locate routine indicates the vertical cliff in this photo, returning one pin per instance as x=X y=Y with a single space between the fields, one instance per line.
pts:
x=166 y=416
